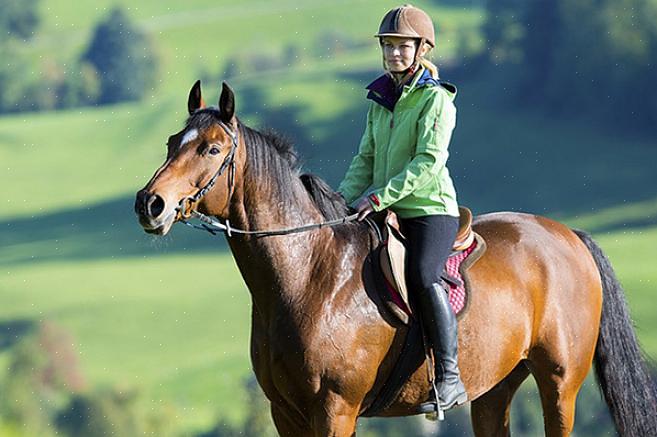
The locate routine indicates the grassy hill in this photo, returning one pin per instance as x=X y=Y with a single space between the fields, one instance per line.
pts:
x=137 y=323
x=170 y=318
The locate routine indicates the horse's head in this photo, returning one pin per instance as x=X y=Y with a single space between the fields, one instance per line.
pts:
x=198 y=171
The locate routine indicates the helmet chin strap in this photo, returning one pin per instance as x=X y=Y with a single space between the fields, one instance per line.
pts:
x=404 y=76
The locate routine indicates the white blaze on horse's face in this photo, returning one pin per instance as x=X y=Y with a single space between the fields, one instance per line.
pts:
x=190 y=136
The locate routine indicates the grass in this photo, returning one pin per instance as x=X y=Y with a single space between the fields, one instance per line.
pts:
x=632 y=253
x=151 y=324
x=70 y=252
x=71 y=158
x=175 y=328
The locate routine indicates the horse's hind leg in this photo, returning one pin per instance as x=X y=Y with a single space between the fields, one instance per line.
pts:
x=558 y=385
x=490 y=412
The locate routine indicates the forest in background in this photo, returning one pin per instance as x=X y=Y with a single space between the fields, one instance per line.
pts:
x=555 y=109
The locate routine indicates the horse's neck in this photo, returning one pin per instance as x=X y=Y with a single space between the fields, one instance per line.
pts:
x=278 y=270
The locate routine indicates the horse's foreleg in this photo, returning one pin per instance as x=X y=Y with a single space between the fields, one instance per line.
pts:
x=335 y=418
x=286 y=426
x=490 y=412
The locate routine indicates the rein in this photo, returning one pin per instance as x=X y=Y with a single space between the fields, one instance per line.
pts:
x=211 y=225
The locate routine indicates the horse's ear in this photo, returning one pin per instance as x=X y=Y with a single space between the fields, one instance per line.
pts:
x=227 y=103
x=195 y=101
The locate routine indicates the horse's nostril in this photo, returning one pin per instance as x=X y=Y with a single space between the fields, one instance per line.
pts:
x=155 y=206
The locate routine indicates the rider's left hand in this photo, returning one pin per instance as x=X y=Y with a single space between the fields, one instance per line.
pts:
x=364 y=208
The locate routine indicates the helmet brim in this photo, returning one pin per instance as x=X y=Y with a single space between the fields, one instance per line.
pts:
x=401 y=35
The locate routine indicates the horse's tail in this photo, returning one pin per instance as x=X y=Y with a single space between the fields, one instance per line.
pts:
x=620 y=366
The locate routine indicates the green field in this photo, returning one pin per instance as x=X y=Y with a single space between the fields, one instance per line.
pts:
x=138 y=324
x=169 y=318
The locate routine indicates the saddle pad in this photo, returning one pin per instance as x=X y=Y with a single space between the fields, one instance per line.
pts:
x=457 y=296
x=456 y=285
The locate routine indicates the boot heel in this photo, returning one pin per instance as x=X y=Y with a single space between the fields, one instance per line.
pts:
x=459 y=400
x=462 y=399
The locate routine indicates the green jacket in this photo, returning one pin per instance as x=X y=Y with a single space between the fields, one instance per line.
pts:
x=402 y=154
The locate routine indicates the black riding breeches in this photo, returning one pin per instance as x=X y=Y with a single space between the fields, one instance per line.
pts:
x=430 y=239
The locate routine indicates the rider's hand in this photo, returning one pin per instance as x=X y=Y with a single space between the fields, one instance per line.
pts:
x=364 y=208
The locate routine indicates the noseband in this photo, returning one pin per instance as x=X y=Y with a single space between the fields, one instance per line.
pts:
x=186 y=206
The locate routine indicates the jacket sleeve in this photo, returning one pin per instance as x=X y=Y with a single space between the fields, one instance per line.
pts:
x=434 y=131
x=359 y=174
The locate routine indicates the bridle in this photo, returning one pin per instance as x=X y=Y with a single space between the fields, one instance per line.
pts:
x=186 y=209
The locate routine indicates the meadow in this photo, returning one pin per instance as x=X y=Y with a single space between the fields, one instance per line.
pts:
x=169 y=318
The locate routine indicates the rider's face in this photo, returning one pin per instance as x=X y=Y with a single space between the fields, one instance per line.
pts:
x=398 y=53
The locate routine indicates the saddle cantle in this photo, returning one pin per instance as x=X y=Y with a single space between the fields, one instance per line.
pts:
x=468 y=248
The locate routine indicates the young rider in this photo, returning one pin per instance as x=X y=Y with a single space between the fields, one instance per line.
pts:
x=401 y=165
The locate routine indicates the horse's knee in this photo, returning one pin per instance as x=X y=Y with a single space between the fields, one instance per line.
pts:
x=336 y=418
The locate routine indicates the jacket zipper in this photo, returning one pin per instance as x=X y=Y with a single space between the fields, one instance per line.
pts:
x=392 y=125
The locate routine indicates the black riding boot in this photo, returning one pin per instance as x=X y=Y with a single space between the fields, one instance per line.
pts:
x=439 y=323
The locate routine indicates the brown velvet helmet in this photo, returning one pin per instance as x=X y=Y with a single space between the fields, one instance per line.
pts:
x=408 y=21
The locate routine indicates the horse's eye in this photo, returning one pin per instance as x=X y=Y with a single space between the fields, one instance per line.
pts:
x=214 y=151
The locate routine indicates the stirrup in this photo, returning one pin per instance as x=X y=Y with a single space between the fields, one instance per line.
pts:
x=431 y=409
x=431 y=412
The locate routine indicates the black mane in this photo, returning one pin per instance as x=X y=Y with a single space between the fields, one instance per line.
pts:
x=271 y=157
x=271 y=153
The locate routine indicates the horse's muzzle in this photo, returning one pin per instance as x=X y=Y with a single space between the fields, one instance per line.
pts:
x=150 y=208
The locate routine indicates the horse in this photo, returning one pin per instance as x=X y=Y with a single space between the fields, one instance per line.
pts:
x=544 y=298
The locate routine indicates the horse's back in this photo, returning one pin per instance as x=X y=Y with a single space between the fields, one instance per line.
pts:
x=536 y=287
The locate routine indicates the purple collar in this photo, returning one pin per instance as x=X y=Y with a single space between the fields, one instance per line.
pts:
x=384 y=91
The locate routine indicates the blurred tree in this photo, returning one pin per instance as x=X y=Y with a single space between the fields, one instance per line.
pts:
x=539 y=44
x=11 y=89
x=578 y=56
x=291 y=55
x=123 y=57
x=101 y=413
x=504 y=31
x=231 y=68
x=79 y=86
x=24 y=402
x=19 y=18
x=41 y=374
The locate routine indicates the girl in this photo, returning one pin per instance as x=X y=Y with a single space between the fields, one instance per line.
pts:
x=401 y=165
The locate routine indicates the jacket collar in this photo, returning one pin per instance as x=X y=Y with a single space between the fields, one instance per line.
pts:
x=386 y=93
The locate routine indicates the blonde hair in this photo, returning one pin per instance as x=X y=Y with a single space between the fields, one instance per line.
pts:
x=426 y=63
x=430 y=66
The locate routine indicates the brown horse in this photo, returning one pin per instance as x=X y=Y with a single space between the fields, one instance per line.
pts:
x=544 y=299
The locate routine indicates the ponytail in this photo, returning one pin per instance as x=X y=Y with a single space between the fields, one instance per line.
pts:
x=430 y=66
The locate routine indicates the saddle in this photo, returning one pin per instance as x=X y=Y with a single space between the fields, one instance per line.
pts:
x=468 y=248
x=390 y=280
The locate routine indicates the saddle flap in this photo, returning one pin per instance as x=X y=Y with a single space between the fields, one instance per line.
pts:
x=395 y=251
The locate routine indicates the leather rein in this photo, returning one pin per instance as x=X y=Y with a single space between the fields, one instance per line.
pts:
x=209 y=224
